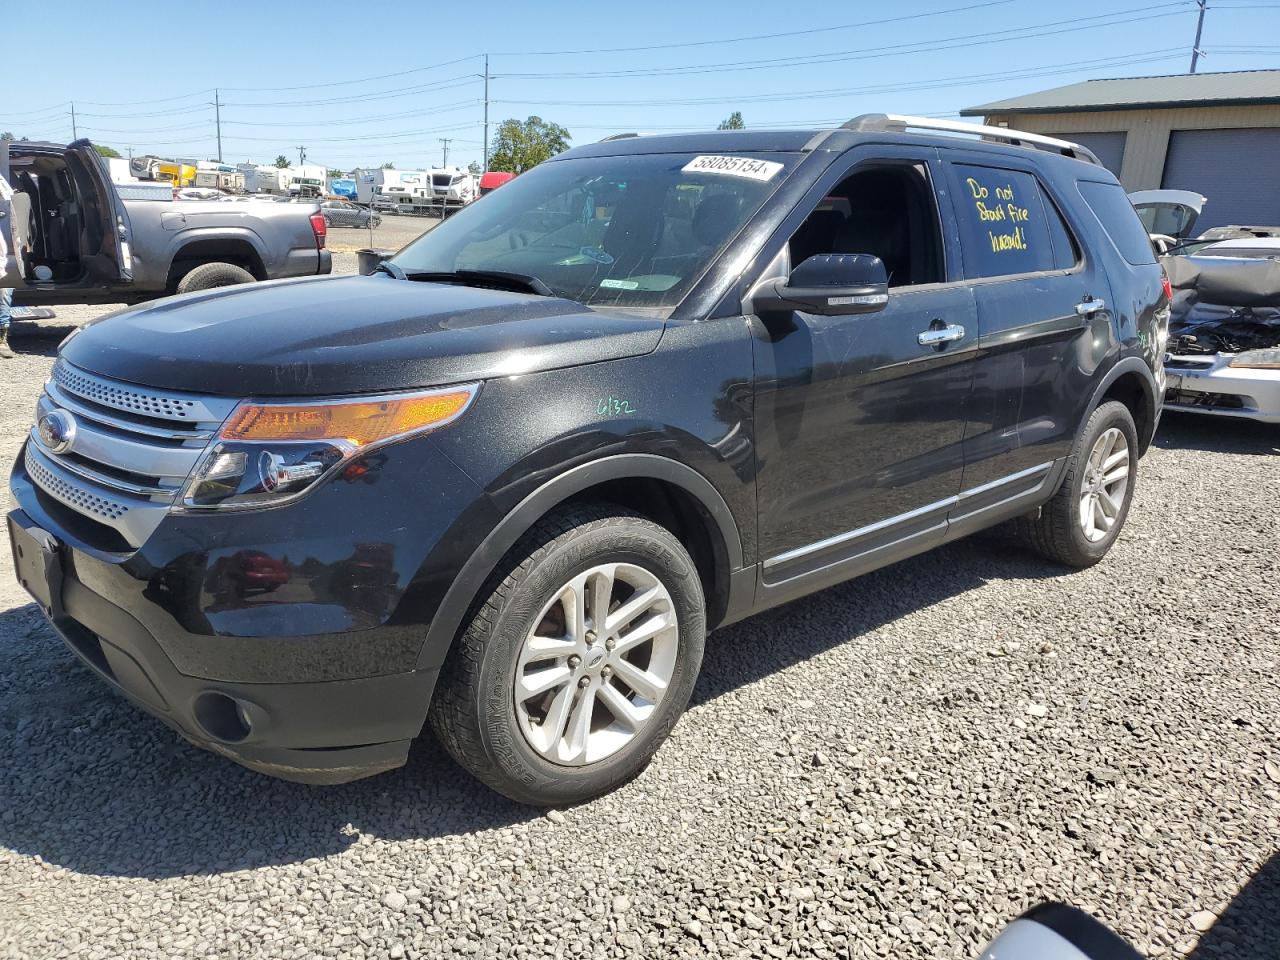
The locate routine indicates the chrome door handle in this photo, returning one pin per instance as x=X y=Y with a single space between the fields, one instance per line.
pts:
x=1089 y=307
x=937 y=337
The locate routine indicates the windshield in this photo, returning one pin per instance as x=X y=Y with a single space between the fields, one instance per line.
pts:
x=629 y=231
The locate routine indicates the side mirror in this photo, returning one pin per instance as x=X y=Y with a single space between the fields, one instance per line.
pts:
x=829 y=284
x=1055 y=931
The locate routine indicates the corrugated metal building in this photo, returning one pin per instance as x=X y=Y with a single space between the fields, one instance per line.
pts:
x=1215 y=133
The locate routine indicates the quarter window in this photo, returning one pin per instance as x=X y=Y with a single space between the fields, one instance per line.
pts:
x=1113 y=209
x=1007 y=225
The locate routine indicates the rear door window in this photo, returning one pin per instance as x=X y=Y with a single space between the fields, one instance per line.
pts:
x=1007 y=226
x=1115 y=212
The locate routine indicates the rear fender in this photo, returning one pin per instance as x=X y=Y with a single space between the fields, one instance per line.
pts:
x=1151 y=398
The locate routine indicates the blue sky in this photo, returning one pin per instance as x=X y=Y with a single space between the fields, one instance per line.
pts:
x=380 y=81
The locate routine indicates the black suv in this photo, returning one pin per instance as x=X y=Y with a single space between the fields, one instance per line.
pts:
x=507 y=483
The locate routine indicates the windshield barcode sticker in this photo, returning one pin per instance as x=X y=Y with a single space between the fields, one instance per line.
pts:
x=747 y=167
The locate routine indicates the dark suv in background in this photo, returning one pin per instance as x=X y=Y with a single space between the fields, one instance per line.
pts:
x=509 y=482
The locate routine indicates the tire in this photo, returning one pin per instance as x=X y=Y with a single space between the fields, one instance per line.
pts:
x=206 y=276
x=475 y=712
x=1059 y=531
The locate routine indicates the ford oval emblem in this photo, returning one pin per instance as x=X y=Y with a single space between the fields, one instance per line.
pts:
x=57 y=431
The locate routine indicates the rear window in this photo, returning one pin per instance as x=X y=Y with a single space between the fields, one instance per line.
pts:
x=1007 y=226
x=1119 y=219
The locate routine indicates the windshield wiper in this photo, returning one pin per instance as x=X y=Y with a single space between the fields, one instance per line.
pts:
x=494 y=279
x=387 y=267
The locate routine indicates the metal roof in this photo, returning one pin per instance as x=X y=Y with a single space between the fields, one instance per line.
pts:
x=1133 y=93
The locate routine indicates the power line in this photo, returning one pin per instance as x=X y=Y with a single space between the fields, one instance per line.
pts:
x=926 y=46
x=149 y=100
x=203 y=125
x=760 y=36
x=1073 y=66
x=398 y=115
x=450 y=83
x=344 y=83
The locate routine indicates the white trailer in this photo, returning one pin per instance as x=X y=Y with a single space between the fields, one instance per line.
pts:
x=273 y=180
x=308 y=180
x=390 y=189
x=250 y=173
x=118 y=167
x=453 y=186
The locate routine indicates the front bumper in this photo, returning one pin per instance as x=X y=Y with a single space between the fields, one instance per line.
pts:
x=1207 y=384
x=292 y=640
x=311 y=731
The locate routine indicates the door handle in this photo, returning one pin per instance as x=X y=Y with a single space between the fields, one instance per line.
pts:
x=1089 y=306
x=936 y=337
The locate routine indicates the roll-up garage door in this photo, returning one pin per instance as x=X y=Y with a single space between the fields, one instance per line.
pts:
x=1233 y=168
x=1109 y=147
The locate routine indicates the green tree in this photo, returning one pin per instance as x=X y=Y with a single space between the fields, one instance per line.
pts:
x=518 y=146
x=282 y=161
x=105 y=151
x=388 y=165
x=473 y=168
x=732 y=122
x=335 y=172
x=6 y=137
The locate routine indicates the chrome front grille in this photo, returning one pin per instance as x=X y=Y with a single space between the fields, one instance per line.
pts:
x=77 y=497
x=132 y=449
x=127 y=397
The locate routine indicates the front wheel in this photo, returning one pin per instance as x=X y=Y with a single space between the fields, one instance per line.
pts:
x=580 y=660
x=1079 y=525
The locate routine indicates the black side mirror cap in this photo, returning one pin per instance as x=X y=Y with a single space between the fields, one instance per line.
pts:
x=828 y=284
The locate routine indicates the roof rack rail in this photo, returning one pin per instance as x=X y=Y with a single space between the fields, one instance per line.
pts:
x=896 y=121
x=619 y=136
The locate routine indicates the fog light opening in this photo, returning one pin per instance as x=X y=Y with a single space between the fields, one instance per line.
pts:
x=222 y=717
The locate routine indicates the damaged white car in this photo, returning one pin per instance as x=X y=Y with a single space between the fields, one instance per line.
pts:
x=1224 y=332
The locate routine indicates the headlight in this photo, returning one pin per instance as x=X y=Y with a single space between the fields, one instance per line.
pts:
x=270 y=453
x=1258 y=359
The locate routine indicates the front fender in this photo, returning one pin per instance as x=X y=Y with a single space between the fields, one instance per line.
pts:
x=471 y=578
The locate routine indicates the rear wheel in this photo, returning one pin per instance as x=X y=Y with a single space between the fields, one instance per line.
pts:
x=1079 y=525
x=575 y=667
x=209 y=275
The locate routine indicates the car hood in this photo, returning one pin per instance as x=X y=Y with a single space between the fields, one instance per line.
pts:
x=345 y=335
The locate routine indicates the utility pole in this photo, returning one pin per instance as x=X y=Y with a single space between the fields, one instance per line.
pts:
x=217 y=119
x=74 y=134
x=302 y=155
x=486 y=114
x=1195 y=50
x=446 y=141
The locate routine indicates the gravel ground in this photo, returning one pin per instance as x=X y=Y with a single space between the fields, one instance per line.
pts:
x=894 y=767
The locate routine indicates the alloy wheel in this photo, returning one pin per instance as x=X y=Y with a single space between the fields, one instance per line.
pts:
x=1106 y=480
x=595 y=666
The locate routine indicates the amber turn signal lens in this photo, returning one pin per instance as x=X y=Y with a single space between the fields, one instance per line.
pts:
x=358 y=422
